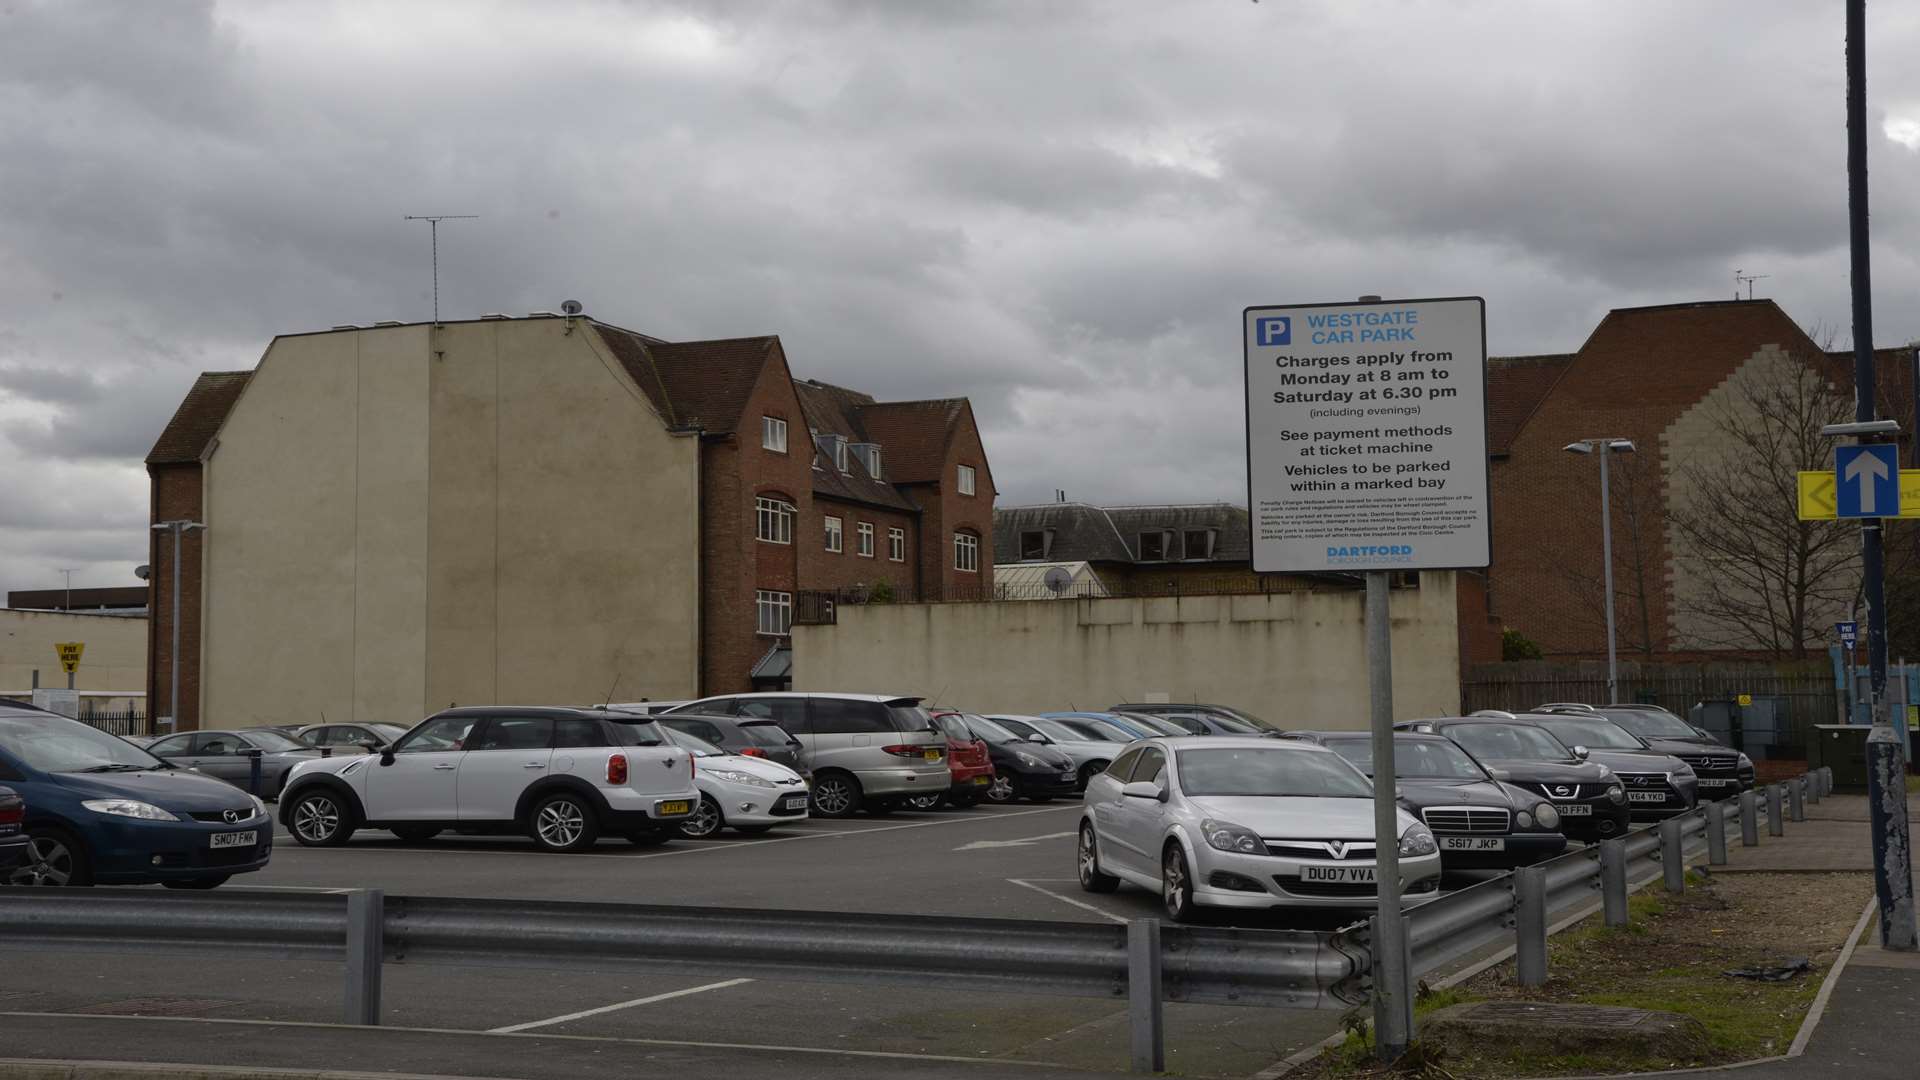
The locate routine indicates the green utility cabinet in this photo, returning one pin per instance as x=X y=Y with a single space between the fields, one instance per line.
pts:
x=1842 y=748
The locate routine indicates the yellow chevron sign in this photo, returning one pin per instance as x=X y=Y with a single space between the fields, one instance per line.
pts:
x=1817 y=499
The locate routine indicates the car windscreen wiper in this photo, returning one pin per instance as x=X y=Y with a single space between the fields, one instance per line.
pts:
x=114 y=767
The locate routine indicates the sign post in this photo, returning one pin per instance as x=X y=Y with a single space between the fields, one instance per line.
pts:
x=70 y=657
x=1367 y=452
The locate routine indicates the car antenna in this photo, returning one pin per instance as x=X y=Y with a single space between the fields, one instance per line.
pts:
x=611 y=689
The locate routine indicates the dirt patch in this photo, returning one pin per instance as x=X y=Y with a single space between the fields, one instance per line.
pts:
x=1672 y=959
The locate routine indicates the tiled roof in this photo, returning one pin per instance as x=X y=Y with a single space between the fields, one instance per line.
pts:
x=837 y=410
x=914 y=436
x=1515 y=387
x=696 y=385
x=1234 y=544
x=1112 y=533
x=198 y=418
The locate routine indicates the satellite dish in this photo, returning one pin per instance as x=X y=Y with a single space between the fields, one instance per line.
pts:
x=143 y=572
x=571 y=307
x=1058 y=580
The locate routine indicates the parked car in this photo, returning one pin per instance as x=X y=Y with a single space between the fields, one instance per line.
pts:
x=350 y=738
x=643 y=708
x=1155 y=725
x=1719 y=770
x=1659 y=785
x=1591 y=801
x=1481 y=823
x=969 y=766
x=1225 y=713
x=224 y=755
x=1199 y=723
x=1090 y=756
x=561 y=776
x=1135 y=726
x=1022 y=769
x=100 y=810
x=13 y=841
x=1241 y=823
x=749 y=795
x=866 y=751
x=738 y=735
x=1093 y=730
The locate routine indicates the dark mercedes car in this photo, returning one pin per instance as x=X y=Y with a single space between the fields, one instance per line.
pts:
x=1658 y=785
x=1721 y=771
x=1480 y=822
x=1590 y=799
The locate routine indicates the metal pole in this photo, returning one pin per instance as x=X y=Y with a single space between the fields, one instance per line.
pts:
x=1392 y=990
x=173 y=651
x=1749 y=819
x=366 y=929
x=1717 y=834
x=1606 y=560
x=1147 y=1022
x=1672 y=863
x=1530 y=925
x=1613 y=881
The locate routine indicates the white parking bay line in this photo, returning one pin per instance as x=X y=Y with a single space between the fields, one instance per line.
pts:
x=981 y=845
x=1108 y=915
x=615 y=1008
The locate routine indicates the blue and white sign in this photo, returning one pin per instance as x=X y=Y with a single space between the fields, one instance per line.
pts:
x=1849 y=633
x=1867 y=480
x=1367 y=435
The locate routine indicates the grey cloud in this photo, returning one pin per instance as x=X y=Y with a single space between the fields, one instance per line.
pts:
x=48 y=385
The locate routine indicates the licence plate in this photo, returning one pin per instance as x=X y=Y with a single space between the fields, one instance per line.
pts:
x=1473 y=843
x=796 y=802
x=933 y=755
x=1574 y=810
x=1647 y=796
x=980 y=781
x=1704 y=782
x=1069 y=776
x=233 y=839
x=677 y=806
x=1358 y=875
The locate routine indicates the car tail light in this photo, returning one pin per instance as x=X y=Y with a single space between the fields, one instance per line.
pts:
x=12 y=812
x=617 y=769
x=906 y=750
x=753 y=751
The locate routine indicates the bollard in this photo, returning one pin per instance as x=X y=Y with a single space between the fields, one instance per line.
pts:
x=366 y=928
x=1814 y=793
x=1749 y=819
x=1530 y=925
x=253 y=773
x=1672 y=863
x=1796 y=799
x=1716 y=834
x=1776 y=818
x=1826 y=778
x=1145 y=1018
x=1613 y=881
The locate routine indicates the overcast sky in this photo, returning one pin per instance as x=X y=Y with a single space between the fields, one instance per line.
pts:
x=1057 y=209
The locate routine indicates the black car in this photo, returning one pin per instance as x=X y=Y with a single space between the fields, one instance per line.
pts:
x=1206 y=723
x=1659 y=785
x=1481 y=823
x=1590 y=799
x=1022 y=769
x=13 y=841
x=1722 y=771
x=1240 y=718
x=740 y=735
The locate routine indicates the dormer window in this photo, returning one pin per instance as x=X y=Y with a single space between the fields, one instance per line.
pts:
x=1036 y=545
x=840 y=454
x=1199 y=543
x=1154 y=545
x=869 y=455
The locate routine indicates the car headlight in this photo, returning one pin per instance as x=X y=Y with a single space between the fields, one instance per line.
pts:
x=734 y=777
x=1545 y=815
x=259 y=807
x=1523 y=819
x=1746 y=762
x=128 y=808
x=1027 y=759
x=1684 y=771
x=1417 y=841
x=1226 y=836
x=1617 y=794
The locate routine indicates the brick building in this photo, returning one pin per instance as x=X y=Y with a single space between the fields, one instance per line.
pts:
x=533 y=510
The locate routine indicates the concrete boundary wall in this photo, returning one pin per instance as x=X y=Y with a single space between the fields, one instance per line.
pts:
x=1296 y=658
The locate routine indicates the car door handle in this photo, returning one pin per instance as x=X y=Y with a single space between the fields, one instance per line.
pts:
x=533 y=765
x=438 y=768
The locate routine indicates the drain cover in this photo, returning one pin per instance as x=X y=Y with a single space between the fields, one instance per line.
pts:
x=156 y=1006
x=1564 y=1015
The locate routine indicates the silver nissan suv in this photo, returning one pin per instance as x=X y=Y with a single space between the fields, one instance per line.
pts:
x=866 y=751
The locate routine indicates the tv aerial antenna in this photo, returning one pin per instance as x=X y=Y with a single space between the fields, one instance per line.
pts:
x=433 y=227
x=1748 y=279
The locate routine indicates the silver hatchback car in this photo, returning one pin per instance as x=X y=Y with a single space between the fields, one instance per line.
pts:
x=871 y=751
x=1219 y=821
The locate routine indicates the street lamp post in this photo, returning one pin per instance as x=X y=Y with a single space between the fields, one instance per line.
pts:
x=178 y=529
x=1606 y=449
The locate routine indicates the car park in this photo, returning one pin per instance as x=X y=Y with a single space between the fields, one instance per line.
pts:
x=1023 y=769
x=560 y=776
x=739 y=735
x=866 y=751
x=100 y=810
x=748 y=795
x=1229 y=720
x=350 y=738
x=1658 y=785
x=1590 y=799
x=13 y=841
x=1480 y=823
x=1720 y=771
x=1241 y=823
x=1090 y=756
x=228 y=755
x=969 y=764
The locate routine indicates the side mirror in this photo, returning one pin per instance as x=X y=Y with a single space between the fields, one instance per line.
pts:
x=386 y=755
x=1499 y=774
x=1038 y=738
x=370 y=747
x=1580 y=752
x=1145 y=789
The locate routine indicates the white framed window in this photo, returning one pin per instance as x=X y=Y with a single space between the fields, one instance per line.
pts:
x=840 y=454
x=774 y=520
x=834 y=532
x=873 y=460
x=966 y=552
x=966 y=479
x=773 y=434
x=897 y=545
x=774 y=612
x=866 y=540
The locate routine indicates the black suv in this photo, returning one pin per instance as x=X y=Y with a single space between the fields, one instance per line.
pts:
x=1723 y=772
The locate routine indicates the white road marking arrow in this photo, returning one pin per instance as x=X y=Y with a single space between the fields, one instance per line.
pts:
x=979 y=845
x=1867 y=469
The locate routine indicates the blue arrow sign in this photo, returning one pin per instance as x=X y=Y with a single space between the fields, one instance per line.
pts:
x=1849 y=633
x=1867 y=480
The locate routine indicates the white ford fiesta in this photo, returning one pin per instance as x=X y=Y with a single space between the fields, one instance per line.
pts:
x=748 y=794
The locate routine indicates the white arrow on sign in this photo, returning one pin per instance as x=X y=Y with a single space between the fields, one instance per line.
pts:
x=979 y=845
x=1867 y=469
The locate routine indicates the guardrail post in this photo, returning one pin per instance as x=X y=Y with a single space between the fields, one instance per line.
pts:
x=1530 y=925
x=1717 y=834
x=1796 y=799
x=1613 y=881
x=1145 y=1018
x=366 y=911
x=1776 y=818
x=253 y=773
x=1672 y=862
x=1749 y=819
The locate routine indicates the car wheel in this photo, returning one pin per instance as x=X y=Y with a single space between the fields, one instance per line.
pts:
x=835 y=795
x=563 y=822
x=704 y=822
x=319 y=819
x=1091 y=879
x=54 y=858
x=925 y=802
x=1176 y=885
x=1003 y=789
x=1090 y=770
x=414 y=834
x=213 y=882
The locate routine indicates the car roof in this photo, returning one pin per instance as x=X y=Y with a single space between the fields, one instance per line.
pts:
x=884 y=699
x=1231 y=742
x=557 y=711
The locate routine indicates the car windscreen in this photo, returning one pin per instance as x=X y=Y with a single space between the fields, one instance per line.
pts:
x=57 y=744
x=387 y=732
x=1062 y=731
x=1280 y=772
x=990 y=731
x=274 y=742
x=1236 y=727
x=1156 y=725
x=1508 y=742
x=1248 y=718
x=765 y=733
x=700 y=747
x=1592 y=734
x=1413 y=759
x=1020 y=727
x=1653 y=725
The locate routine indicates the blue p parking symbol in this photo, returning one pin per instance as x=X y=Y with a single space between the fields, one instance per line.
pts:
x=1273 y=330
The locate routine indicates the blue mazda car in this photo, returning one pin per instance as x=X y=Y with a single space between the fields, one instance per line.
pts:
x=100 y=810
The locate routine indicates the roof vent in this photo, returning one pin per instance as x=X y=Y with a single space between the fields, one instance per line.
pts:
x=543 y=314
x=389 y=322
x=346 y=326
x=492 y=315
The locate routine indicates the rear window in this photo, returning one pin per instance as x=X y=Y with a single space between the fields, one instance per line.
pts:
x=910 y=718
x=765 y=733
x=637 y=732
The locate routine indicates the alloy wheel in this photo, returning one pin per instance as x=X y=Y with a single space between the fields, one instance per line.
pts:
x=49 y=862
x=561 y=822
x=924 y=802
x=316 y=819
x=1089 y=863
x=704 y=822
x=1173 y=887
x=1001 y=790
x=832 y=796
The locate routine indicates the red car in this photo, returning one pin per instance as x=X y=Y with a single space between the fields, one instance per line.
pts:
x=968 y=765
